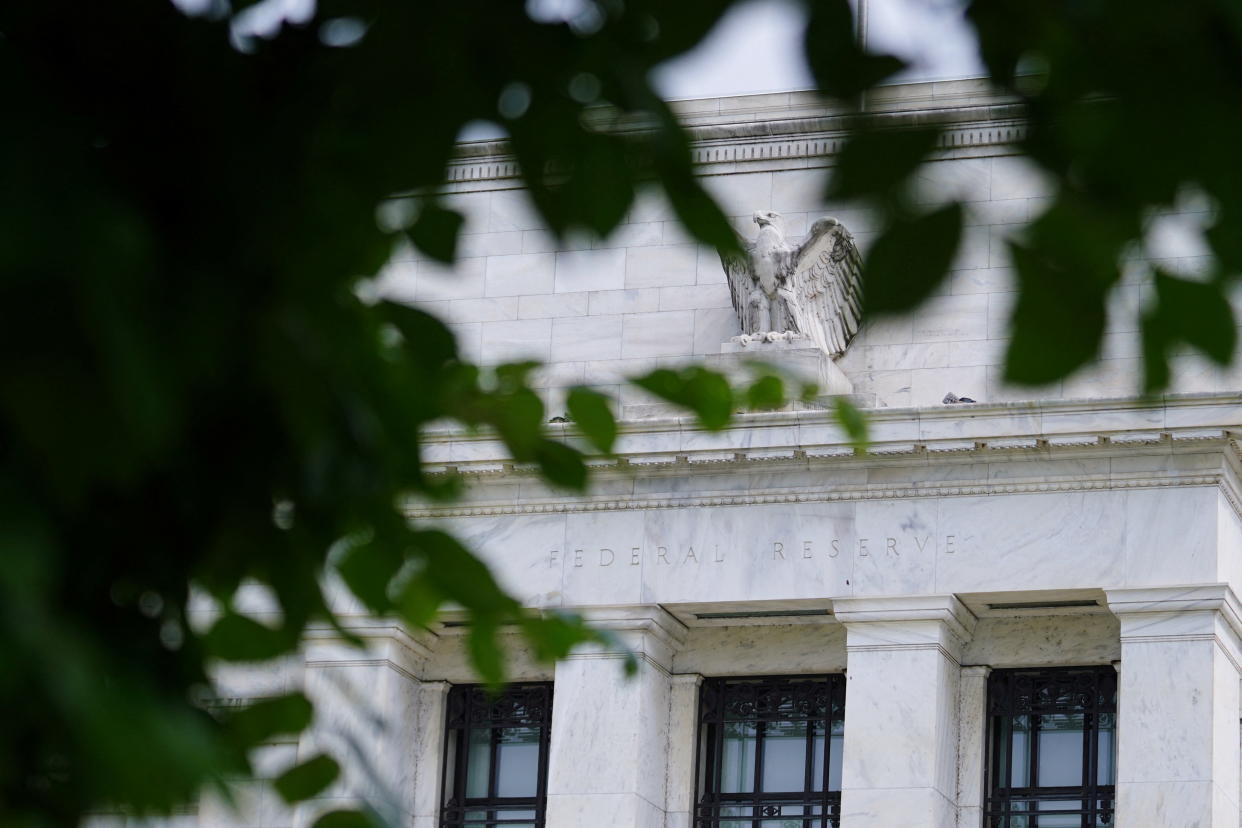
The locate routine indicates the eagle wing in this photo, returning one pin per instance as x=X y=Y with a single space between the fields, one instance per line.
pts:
x=827 y=285
x=739 y=269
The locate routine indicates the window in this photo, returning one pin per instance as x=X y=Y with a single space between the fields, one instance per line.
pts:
x=1052 y=746
x=770 y=752
x=496 y=757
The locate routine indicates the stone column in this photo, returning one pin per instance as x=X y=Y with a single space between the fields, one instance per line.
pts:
x=609 y=743
x=683 y=731
x=971 y=744
x=1178 y=706
x=367 y=717
x=901 y=710
x=429 y=753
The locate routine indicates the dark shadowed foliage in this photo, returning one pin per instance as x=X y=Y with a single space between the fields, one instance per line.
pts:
x=192 y=393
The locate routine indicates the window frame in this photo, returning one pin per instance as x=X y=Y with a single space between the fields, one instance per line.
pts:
x=471 y=707
x=709 y=800
x=1015 y=692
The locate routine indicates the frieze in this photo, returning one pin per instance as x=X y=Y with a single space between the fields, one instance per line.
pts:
x=777 y=552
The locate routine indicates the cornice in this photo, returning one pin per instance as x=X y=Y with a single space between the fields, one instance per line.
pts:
x=782 y=142
x=835 y=495
x=802 y=441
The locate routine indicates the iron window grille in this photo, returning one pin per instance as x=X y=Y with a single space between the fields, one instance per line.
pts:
x=769 y=752
x=496 y=757
x=1052 y=748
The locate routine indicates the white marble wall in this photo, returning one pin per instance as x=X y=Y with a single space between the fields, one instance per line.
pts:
x=599 y=310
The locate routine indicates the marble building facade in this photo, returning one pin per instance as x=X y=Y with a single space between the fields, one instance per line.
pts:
x=1073 y=526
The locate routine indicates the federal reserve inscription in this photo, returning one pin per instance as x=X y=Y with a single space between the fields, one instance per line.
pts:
x=887 y=547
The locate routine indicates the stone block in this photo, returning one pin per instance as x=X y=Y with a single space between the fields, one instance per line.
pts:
x=463 y=280
x=490 y=244
x=636 y=300
x=511 y=210
x=665 y=334
x=796 y=191
x=588 y=270
x=741 y=195
x=693 y=297
x=950 y=318
x=550 y=305
x=494 y=309
x=661 y=266
x=513 y=341
x=525 y=273
x=713 y=326
x=586 y=338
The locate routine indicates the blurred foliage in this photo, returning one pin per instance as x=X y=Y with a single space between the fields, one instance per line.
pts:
x=193 y=396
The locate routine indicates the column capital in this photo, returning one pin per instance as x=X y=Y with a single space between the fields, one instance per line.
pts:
x=976 y=671
x=1194 y=612
x=386 y=641
x=906 y=621
x=1162 y=602
x=650 y=632
x=687 y=680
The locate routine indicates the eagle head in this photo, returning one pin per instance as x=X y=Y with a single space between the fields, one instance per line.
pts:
x=763 y=218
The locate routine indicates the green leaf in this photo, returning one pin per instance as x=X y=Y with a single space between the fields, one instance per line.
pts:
x=706 y=393
x=238 y=638
x=561 y=465
x=839 y=64
x=419 y=601
x=766 y=394
x=592 y=412
x=1057 y=322
x=853 y=421
x=876 y=162
x=424 y=335
x=519 y=417
x=344 y=819
x=368 y=568
x=910 y=259
x=1199 y=313
x=302 y=781
x=267 y=718
x=435 y=233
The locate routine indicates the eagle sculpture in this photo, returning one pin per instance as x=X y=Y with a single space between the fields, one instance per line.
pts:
x=783 y=291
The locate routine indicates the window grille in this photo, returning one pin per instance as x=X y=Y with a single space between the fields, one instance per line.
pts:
x=496 y=757
x=1052 y=748
x=770 y=752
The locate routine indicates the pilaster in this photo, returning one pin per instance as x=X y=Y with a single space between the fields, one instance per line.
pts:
x=1178 y=706
x=902 y=710
x=610 y=733
x=971 y=744
x=429 y=758
x=683 y=729
x=371 y=698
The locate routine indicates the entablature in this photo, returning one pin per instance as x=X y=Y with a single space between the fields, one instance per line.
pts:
x=805 y=456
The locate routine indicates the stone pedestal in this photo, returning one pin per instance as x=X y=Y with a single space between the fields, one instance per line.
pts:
x=1178 y=706
x=609 y=744
x=800 y=359
x=901 y=710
